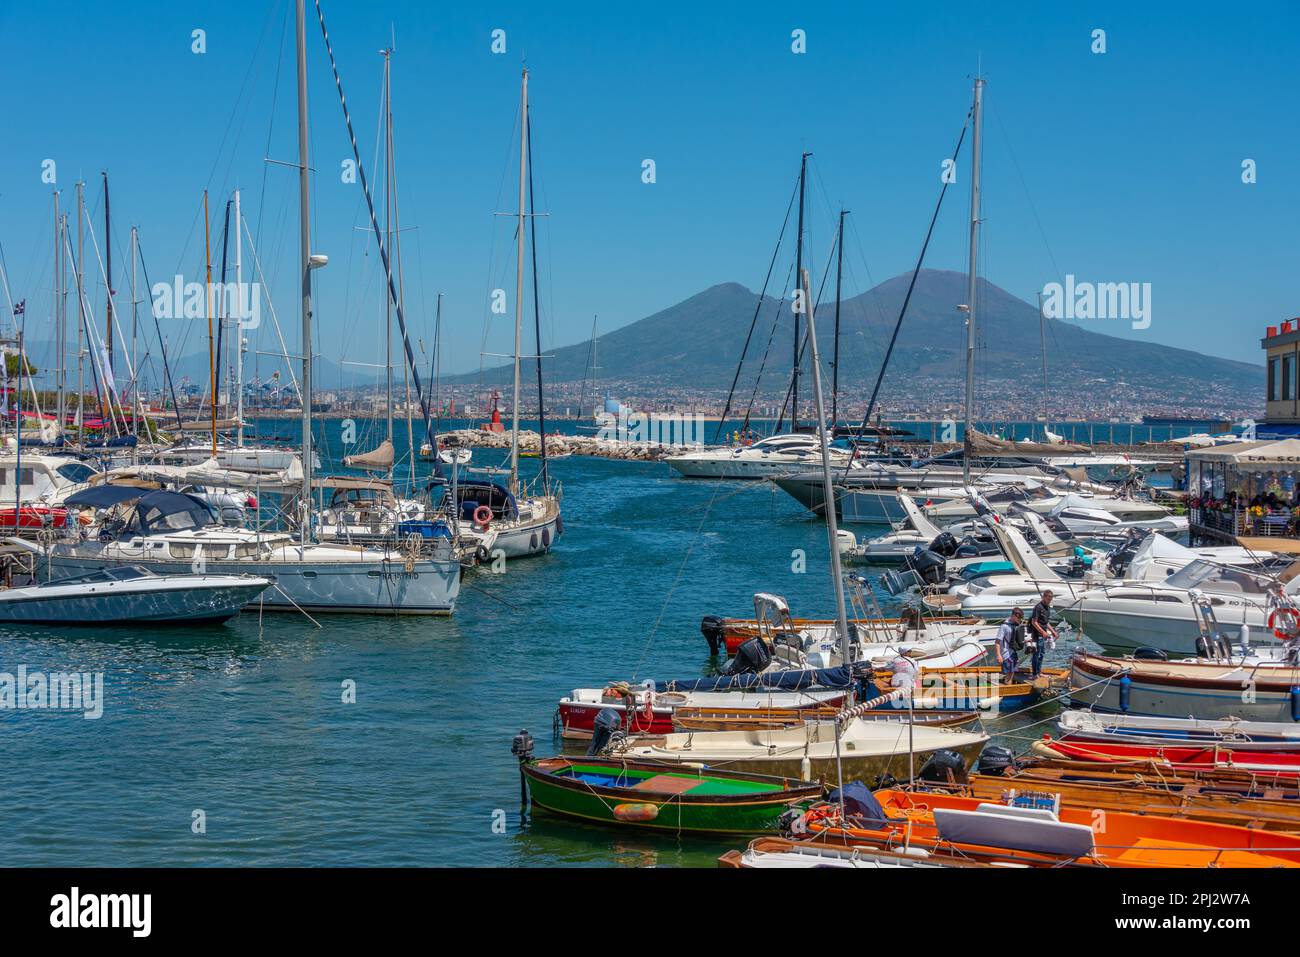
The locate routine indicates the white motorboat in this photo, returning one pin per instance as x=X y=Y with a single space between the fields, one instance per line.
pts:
x=1234 y=733
x=1162 y=614
x=130 y=594
x=766 y=458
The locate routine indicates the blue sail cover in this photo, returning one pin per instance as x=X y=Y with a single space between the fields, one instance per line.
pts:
x=768 y=681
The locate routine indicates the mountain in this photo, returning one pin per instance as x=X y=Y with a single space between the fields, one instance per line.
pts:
x=696 y=343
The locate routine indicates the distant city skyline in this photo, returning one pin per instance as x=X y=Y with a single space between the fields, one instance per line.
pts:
x=1122 y=166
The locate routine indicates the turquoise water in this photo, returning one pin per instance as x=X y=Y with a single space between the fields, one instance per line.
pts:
x=246 y=721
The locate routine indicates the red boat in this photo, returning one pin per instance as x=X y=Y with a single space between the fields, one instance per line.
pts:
x=33 y=516
x=1190 y=757
x=652 y=713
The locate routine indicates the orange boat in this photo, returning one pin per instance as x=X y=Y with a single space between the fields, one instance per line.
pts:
x=1039 y=832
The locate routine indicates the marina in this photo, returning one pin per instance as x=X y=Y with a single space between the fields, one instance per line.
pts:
x=444 y=504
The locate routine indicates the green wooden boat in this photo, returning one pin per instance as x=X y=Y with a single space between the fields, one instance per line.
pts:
x=663 y=797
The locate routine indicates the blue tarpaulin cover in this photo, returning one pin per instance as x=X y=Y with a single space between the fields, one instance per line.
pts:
x=104 y=496
x=858 y=801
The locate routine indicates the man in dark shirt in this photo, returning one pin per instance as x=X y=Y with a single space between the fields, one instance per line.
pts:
x=1041 y=630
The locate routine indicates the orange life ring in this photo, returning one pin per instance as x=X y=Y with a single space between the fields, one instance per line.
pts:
x=483 y=517
x=1291 y=630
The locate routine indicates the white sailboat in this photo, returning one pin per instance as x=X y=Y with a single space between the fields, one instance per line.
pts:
x=168 y=532
x=527 y=520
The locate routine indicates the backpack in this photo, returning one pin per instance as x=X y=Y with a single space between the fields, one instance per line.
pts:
x=1018 y=638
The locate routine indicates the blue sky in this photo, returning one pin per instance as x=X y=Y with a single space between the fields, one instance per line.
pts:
x=1115 y=167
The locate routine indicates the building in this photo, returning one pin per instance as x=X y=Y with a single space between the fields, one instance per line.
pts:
x=1281 y=346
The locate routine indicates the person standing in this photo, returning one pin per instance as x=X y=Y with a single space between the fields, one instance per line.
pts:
x=1041 y=632
x=1009 y=642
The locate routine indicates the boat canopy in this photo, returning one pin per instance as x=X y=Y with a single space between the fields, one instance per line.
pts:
x=158 y=513
x=103 y=496
x=471 y=495
x=840 y=677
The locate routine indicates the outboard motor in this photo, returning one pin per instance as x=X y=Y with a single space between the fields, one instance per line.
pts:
x=944 y=767
x=995 y=760
x=711 y=629
x=899 y=581
x=929 y=566
x=751 y=658
x=945 y=544
x=605 y=729
x=1154 y=654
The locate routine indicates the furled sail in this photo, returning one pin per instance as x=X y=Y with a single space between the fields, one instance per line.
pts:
x=381 y=458
x=977 y=443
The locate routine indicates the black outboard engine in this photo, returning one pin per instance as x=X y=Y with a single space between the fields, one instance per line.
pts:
x=751 y=658
x=711 y=629
x=605 y=729
x=944 y=767
x=930 y=567
x=945 y=544
x=1156 y=654
x=995 y=760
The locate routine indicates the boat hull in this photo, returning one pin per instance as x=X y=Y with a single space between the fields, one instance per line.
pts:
x=385 y=588
x=1099 y=687
x=107 y=607
x=607 y=792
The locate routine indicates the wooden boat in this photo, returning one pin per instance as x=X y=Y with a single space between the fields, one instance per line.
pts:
x=734 y=632
x=1136 y=796
x=779 y=852
x=975 y=688
x=1177 y=757
x=746 y=719
x=863 y=750
x=1186 y=689
x=1037 y=835
x=660 y=797
x=1140 y=729
x=647 y=712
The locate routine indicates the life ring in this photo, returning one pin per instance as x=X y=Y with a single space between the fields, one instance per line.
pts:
x=483 y=517
x=1292 y=627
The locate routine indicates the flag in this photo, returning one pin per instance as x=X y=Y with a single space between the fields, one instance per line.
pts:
x=20 y=308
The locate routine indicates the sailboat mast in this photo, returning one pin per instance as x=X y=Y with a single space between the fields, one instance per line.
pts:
x=212 y=356
x=304 y=254
x=835 y=360
x=239 y=324
x=135 y=369
x=832 y=530
x=58 y=310
x=1042 y=343
x=108 y=286
x=388 y=241
x=81 y=309
x=537 y=318
x=798 y=271
x=972 y=273
x=519 y=282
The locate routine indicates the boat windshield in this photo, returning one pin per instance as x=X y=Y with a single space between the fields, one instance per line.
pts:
x=1212 y=577
x=123 y=573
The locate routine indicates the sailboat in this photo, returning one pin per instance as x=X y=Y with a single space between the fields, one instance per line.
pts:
x=527 y=520
x=167 y=531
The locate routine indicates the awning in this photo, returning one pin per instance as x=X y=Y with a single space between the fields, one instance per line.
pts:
x=1285 y=452
x=103 y=496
